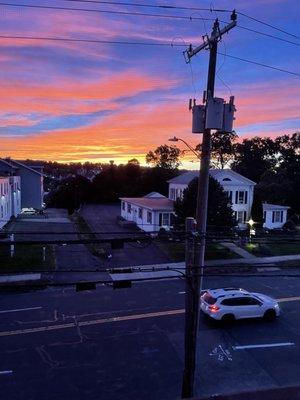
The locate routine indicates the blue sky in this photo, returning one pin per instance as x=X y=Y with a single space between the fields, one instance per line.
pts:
x=94 y=102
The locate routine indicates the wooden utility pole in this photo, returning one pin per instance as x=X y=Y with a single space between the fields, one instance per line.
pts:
x=195 y=270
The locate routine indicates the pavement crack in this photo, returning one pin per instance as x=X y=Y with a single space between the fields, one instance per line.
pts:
x=46 y=358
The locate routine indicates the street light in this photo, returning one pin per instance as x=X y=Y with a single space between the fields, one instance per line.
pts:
x=176 y=139
x=251 y=230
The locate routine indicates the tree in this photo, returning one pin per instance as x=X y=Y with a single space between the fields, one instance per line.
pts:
x=70 y=193
x=219 y=211
x=253 y=157
x=164 y=156
x=222 y=148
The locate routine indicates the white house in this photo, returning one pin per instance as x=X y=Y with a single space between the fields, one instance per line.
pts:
x=151 y=212
x=274 y=216
x=240 y=190
x=10 y=198
x=32 y=192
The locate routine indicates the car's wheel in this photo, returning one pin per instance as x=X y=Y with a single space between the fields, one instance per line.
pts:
x=270 y=315
x=227 y=319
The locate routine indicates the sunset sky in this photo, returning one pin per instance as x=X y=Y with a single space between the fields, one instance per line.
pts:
x=68 y=101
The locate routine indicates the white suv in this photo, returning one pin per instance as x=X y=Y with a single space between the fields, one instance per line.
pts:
x=228 y=304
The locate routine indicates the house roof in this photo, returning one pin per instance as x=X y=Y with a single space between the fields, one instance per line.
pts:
x=218 y=174
x=161 y=203
x=274 y=207
x=18 y=163
x=155 y=195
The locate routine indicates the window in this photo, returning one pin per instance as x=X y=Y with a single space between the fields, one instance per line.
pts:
x=209 y=299
x=129 y=208
x=226 y=180
x=265 y=215
x=140 y=213
x=240 y=216
x=229 y=194
x=240 y=301
x=164 y=219
x=1 y=211
x=277 y=216
x=123 y=205
x=241 y=197
x=172 y=194
x=149 y=217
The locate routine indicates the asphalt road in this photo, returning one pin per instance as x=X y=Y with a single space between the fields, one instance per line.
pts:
x=103 y=218
x=128 y=343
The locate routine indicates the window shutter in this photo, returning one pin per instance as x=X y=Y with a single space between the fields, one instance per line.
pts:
x=245 y=216
x=246 y=197
x=236 y=197
x=273 y=216
x=281 y=216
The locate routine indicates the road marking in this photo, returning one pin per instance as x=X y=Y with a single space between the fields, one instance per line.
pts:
x=112 y=319
x=6 y=372
x=93 y=322
x=286 y=299
x=20 y=309
x=257 y=346
x=183 y=292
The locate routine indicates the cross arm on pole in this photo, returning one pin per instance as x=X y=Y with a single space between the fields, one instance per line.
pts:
x=215 y=36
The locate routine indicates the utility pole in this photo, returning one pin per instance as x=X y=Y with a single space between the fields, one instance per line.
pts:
x=195 y=270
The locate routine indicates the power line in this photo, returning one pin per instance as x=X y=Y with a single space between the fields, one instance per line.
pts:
x=105 y=11
x=267 y=35
x=260 y=64
x=60 y=39
x=145 y=15
x=161 y=6
x=269 y=25
x=21 y=37
x=168 y=6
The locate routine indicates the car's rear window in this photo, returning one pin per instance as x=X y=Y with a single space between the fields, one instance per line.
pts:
x=209 y=299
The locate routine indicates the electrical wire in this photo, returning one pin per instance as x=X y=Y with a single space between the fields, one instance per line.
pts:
x=261 y=64
x=267 y=34
x=21 y=37
x=269 y=25
x=211 y=9
x=186 y=17
x=167 y=6
x=62 y=39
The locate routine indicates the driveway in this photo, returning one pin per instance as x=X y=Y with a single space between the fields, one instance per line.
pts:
x=102 y=218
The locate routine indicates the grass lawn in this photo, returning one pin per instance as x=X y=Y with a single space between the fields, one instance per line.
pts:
x=176 y=251
x=97 y=249
x=273 y=249
x=26 y=259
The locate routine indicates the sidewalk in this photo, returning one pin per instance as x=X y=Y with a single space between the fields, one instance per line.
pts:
x=155 y=271
x=237 y=250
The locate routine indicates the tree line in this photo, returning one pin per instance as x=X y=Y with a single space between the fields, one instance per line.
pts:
x=272 y=163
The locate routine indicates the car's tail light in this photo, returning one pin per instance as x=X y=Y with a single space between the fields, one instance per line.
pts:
x=214 y=308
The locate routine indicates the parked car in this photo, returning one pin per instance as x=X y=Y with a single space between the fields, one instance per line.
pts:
x=229 y=304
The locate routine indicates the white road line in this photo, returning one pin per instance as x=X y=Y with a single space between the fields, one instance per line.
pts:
x=6 y=372
x=287 y=299
x=257 y=346
x=203 y=290
x=20 y=309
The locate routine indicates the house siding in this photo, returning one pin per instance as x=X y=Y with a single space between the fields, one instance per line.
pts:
x=5 y=201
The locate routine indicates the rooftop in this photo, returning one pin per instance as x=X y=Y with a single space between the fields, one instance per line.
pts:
x=152 y=203
x=273 y=207
x=187 y=177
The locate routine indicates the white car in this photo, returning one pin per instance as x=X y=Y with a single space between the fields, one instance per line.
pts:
x=229 y=304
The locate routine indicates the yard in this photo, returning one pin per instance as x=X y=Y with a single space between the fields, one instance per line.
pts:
x=273 y=249
x=176 y=251
x=26 y=258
